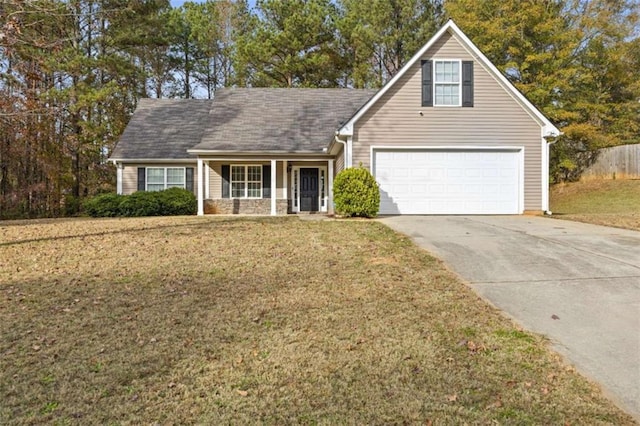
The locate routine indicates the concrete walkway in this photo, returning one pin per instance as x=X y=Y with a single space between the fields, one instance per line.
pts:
x=578 y=284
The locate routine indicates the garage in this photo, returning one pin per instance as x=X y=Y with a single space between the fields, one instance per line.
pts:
x=449 y=181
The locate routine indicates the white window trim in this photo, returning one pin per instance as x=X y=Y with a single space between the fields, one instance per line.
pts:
x=246 y=181
x=323 y=202
x=146 y=177
x=459 y=62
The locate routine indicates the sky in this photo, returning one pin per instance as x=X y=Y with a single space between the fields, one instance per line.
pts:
x=176 y=3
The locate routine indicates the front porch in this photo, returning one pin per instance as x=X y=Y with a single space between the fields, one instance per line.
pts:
x=274 y=186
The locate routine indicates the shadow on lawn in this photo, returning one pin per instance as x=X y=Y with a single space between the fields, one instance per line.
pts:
x=197 y=223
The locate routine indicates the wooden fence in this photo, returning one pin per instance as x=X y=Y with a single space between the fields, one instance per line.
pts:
x=621 y=162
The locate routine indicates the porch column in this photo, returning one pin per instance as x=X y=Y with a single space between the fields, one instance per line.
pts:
x=273 y=188
x=348 y=155
x=330 y=186
x=120 y=168
x=285 y=181
x=207 y=171
x=200 y=188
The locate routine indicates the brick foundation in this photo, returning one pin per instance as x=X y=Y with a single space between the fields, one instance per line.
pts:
x=260 y=206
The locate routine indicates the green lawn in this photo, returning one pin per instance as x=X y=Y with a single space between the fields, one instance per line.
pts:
x=603 y=202
x=277 y=321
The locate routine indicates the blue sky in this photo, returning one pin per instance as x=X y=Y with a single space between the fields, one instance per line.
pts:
x=176 y=3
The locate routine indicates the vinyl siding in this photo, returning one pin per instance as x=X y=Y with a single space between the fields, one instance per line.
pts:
x=130 y=175
x=496 y=119
x=340 y=162
x=215 y=181
x=215 y=177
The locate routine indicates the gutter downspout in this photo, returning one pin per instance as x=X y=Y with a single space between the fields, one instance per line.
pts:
x=347 y=160
x=548 y=144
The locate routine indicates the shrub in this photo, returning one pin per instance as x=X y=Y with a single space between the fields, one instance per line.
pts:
x=171 y=202
x=356 y=193
x=141 y=203
x=103 y=205
x=176 y=202
x=71 y=205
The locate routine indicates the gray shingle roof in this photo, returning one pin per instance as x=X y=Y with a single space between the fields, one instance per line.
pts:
x=279 y=120
x=163 y=129
x=239 y=120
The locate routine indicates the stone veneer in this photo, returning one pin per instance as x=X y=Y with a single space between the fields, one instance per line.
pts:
x=261 y=206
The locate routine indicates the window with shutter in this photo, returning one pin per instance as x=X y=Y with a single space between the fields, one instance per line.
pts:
x=160 y=178
x=447 y=83
x=243 y=181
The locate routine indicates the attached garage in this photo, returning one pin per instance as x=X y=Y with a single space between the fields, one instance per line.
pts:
x=449 y=180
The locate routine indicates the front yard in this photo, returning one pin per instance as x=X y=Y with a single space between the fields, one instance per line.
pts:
x=601 y=202
x=236 y=321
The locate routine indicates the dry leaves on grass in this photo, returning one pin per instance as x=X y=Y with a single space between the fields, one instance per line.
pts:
x=277 y=321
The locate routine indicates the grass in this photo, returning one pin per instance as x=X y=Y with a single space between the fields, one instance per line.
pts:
x=275 y=321
x=602 y=202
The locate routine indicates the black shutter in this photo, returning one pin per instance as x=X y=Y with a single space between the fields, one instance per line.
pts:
x=467 y=83
x=142 y=174
x=427 y=83
x=225 y=181
x=189 y=178
x=266 y=181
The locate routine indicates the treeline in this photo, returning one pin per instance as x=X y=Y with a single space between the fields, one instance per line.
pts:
x=72 y=71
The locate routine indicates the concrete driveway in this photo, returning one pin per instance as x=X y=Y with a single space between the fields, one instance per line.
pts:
x=577 y=284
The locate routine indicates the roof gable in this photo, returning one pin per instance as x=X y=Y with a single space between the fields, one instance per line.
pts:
x=450 y=27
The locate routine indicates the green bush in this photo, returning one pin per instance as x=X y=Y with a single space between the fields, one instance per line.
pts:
x=103 y=205
x=171 y=202
x=71 y=205
x=177 y=202
x=356 y=193
x=141 y=203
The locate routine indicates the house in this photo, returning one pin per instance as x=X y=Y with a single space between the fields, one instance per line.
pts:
x=449 y=134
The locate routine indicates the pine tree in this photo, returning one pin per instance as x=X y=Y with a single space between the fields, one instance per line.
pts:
x=289 y=43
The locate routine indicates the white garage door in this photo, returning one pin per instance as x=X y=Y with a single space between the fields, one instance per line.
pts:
x=448 y=181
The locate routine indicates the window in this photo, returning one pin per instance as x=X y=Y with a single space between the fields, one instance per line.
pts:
x=246 y=181
x=446 y=83
x=159 y=178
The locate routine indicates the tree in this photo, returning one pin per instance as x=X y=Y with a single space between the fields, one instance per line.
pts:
x=203 y=42
x=380 y=36
x=70 y=82
x=289 y=44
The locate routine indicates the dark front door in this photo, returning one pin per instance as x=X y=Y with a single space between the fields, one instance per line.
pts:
x=309 y=190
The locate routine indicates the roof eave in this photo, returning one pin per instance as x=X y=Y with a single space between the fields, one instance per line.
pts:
x=229 y=152
x=550 y=131
x=151 y=160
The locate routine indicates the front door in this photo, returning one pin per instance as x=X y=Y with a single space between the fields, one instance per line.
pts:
x=309 y=190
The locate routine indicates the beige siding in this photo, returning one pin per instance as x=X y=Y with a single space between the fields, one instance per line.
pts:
x=496 y=119
x=215 y=177
x=129 y=179
x=215 y=180
x=130 y=175
x=340 y=161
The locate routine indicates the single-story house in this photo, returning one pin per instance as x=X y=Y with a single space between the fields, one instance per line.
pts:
x=449 y=134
